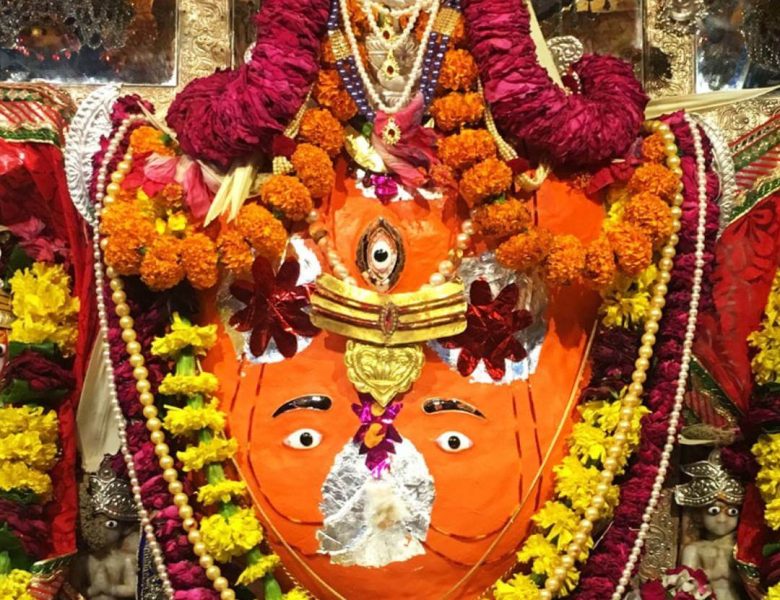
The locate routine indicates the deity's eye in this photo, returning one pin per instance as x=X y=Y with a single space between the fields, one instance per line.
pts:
x=732 y=511
x=111 y=524
x=303 y=439
x=380 y=255
x=713 y=510
x=454 y=441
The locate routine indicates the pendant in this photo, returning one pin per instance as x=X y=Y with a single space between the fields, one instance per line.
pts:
x=390 y=67
x=391 y=132
x=383 y=371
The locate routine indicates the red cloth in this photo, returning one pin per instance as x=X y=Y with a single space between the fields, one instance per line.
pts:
x=32 y=183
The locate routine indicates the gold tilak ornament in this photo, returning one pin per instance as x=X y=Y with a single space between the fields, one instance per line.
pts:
x=384 y=354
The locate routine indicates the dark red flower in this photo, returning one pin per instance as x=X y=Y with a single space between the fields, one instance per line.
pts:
x=653 y=590
x=42 y=374
x=491 y=329
x=275 y=307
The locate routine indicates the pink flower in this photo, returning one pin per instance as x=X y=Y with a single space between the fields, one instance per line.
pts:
x=653 y=590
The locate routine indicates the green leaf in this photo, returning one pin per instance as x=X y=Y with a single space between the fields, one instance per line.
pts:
x=18 y=391
x=367 y=130
x=47 y=349
x=19 y=259
x=24 y=496
x=13 y=549
x=271 y=588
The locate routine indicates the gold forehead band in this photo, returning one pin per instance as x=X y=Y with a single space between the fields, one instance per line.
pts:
x=446 y=21
x=388 y=319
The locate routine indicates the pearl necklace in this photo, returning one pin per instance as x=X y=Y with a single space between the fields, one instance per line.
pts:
x=446 y=271
x=105 y=196
x=396 y=41
x=143 y=385
x=368 y=84
x=632 y=398
x=682 y=379
x=395 y=12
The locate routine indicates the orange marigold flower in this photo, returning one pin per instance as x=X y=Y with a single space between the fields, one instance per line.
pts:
x=288 y=195
x=357 y=16
x=655 y=178
x=235 y=253
x=654 y=148
x=462 y=150
x=525 y=251
x=262 y=231
x=315 y=169
x=458 y=71
x=443 y=178
x=330 y=93
x=199 y=258
x=633 y=248
x=171 y=195
x=321 y=128
x=650 y=214
x=147 y=139
x=123 y=253
x=488 y=178
x=328 y=58
x=501 y=219
x=161 y=268
x=456 y=110
x=600 y=267
x=565 y=262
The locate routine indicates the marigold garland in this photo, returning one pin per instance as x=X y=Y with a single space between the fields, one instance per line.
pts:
x=29 y=448
x=18 y=476
x=766 y=362
x=254 y=232
x=184 y=335
x=230 y=537
x=321 y=128
x=31 y=419
x=259 y=569
x=215 y=450
x=44 y=309
x=627 y=301
x=145 y=140
x=315 y=169
x=329 y=93
x=463 y=149
x=656 y=179
x=222 y=491
x=191 y=419
x=455 y=110
x=486 y=179
x=458 y=71
x=174 y=384
x=288 y=195
x=13 y=585
x=501 y=219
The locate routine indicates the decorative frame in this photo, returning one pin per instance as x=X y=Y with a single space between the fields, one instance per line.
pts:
x=204 y=41
x=734 y=119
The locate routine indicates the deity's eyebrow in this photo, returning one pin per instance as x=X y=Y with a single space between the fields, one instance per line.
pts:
x=315 y=401
x=436 y=405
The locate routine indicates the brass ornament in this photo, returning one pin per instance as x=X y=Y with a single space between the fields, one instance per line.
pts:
x=388 y=319
x=391 y=132
x=383 y=371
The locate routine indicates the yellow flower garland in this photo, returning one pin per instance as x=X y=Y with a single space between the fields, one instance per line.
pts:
x=18 y=476
x=44 y=309
x=13 y=586
x=191 y=419
x=31 y=419
x=29 y=448
x=184 y=335
x=766 y=369
x=259 y=569
x=229 y=537
x=222 y=491
x=188 y=385
x=216 y=450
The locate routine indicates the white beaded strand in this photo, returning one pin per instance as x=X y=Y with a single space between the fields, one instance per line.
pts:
x=414 y=76
x=397 y=41
x=135 y=485
x=682 y=379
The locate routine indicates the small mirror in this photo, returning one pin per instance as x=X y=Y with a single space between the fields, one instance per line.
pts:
x=89 y=41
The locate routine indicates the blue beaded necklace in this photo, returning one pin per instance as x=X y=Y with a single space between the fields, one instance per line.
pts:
x=347 y=68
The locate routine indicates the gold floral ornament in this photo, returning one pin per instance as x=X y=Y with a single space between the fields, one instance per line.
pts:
x=384 y=357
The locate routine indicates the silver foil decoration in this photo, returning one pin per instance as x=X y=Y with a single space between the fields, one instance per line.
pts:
x=227 y=306
x=710 y=482
x=371 y=522
x=566 y=50
x=533 y=298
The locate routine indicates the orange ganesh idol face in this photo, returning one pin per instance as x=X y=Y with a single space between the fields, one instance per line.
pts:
x=427 y=492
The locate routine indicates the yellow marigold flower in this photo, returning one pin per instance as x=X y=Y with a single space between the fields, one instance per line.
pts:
x=627 y=302
x=588 y=443
x=229 y=538
x=189 y=419
x=540 y=553
x=184 y=335
x=18 y=476
x=222 y=491
x=577 y=483
x=772 y=513
x=216 y=450
x=28 y=448
x=187 y=385
x=773 y=593
x=13 y=585
x=297 y=594
x=258 y=570
x=559 y=523
x=766 y=362
x=520 y=587
x=31 y=419
x=44 y=309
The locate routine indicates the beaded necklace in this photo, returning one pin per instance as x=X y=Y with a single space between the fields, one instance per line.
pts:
x=350 y=71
